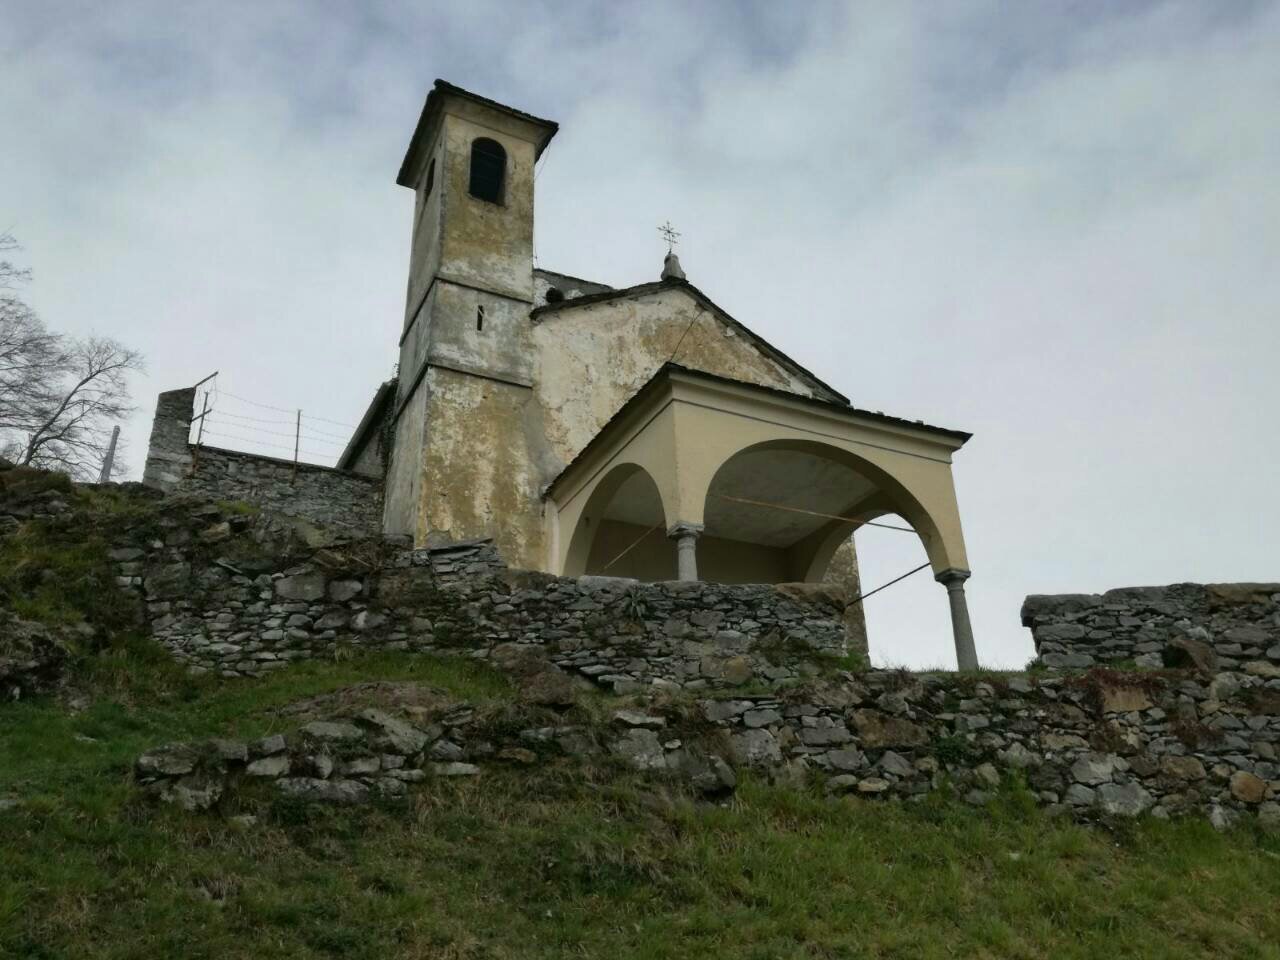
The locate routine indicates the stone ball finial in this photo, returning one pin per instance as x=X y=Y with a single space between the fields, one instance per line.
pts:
x=671 y=268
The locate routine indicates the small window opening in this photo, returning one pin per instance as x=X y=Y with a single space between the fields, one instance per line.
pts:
x=479 y=318
x=488 y=170
x=554 y=294
x=431 y=179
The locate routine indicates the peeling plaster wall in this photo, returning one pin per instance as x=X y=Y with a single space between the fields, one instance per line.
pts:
x=477 y=478
x=653 y=558
x=488 y=245
x=495 y=343
x=428 y=216
x=492 y=446
x=403 y=484
x=590 y=360
x=459 y=468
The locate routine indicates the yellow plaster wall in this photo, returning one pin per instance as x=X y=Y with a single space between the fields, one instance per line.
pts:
x=589 y=360
x=487 y=244
x=477 y=479
x=649 y=555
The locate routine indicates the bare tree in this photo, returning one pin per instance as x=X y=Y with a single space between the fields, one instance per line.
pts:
x=59 y=396
x=31 y=358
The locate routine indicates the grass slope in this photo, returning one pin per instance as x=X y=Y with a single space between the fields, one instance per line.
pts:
x=567 y=861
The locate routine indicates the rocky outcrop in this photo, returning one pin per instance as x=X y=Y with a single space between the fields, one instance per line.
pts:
x=33 y=657
x=30 y=494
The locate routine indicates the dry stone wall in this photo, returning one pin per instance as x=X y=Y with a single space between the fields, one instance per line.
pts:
x=1226 y=626
x=1099 y=744
x=1102 y=745
x=340 y=500
x=217 y=610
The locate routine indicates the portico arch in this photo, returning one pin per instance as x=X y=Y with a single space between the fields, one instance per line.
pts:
x=916 y=486
x=769 y=494
x=622 y=511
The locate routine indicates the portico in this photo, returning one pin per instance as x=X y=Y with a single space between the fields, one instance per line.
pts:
x=700 y=476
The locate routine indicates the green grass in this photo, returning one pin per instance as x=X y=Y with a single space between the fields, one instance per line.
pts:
x=140 y=698
x=565 y=860
x=53 y=574
x=239 y=508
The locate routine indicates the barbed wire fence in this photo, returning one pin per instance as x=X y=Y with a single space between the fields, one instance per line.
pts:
x=244 y=424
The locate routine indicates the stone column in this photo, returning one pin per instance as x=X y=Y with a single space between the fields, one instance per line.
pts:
x=966 y=652
x=686 y=537
x=169 y=454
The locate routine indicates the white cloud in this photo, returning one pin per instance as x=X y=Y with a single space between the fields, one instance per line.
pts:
x=1054 y=225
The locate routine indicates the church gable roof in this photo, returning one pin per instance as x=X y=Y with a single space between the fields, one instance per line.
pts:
x=825 y=390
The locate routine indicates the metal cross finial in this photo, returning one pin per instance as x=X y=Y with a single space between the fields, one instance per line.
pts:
x=669 y=234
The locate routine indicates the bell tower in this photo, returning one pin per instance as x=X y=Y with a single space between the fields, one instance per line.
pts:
x=466 y=326
x=470 y=164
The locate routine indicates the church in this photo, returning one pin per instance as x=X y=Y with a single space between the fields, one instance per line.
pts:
x=637 y=432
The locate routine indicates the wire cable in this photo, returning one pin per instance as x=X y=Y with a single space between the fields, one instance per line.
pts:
x=240 y=416
x=265 y=443
x=270 y=433
x=814 y=513
x=634 y=543
x=321 y=433
x=869 y=593
x=265 y=406
x=336 y=423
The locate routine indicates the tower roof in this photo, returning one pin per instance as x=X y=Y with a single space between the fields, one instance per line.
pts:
x=440 y=91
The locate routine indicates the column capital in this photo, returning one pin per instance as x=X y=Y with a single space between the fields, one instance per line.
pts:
x=951 y=576
x=683 y=529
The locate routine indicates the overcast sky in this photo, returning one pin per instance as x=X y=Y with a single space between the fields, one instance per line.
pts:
x=1055 y=225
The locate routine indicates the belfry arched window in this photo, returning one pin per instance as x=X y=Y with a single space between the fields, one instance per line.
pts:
x=488 y=169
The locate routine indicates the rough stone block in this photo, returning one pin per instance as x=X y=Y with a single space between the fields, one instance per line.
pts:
x=302 y=586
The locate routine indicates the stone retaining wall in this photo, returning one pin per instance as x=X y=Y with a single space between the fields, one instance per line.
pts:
x=340 y=500
x=219 y=611
x=1102 y=745
x=1229 y=626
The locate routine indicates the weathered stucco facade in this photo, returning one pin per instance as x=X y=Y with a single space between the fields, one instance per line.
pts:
x=506 y=372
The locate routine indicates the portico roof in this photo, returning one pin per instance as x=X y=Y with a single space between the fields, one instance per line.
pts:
x=953 y=438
